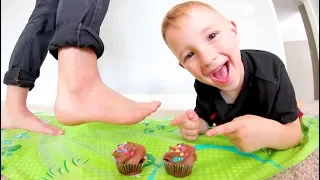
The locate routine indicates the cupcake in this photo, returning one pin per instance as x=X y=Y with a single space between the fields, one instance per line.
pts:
x=130 y=158
x=179 y=161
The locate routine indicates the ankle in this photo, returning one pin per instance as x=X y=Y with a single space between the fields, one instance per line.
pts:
x=16 y=96
x=78 y=69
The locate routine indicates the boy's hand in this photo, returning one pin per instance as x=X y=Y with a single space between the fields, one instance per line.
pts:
x=249 y=133
x=189 y=124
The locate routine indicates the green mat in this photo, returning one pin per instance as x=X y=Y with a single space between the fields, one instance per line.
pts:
x=84 y=152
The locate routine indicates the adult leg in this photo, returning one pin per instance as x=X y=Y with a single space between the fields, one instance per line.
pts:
x=82 y=96
x=24 y=68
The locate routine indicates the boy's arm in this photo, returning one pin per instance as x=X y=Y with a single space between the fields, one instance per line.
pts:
x=203 y=128
x=281 y=130
x=286 y=112
x=286 y=136
x=203 y=114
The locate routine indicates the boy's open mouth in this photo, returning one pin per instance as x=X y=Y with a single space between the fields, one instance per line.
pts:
x=221 y=75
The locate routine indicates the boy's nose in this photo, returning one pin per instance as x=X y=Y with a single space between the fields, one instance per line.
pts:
x=208 y=56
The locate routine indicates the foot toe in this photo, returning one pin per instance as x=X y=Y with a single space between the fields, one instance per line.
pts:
x=36 y=125
x=150 y=107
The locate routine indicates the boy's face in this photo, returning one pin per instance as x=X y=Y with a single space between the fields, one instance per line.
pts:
x=206 y=44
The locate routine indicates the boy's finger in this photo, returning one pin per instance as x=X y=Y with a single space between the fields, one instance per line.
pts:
x=232 y=136
x=191 y=125
x=190 y=138
x=179 y=120
x=189 y=132
x=223 y=129
x=191 y=115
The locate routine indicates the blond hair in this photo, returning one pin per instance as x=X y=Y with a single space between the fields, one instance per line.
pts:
x=174 y=14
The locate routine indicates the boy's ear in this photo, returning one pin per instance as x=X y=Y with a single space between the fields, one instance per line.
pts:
x=234 y=31
x=181 y=65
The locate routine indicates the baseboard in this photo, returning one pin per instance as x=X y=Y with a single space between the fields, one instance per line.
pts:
x=171 y=105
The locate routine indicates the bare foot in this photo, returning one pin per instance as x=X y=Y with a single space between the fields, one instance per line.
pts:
x=82 y=96
x=16 y=115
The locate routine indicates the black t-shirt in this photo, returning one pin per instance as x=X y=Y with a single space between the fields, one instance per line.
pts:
x=267 y=92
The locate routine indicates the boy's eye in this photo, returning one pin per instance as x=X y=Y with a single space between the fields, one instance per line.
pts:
x=211 y=36
x=188 y=56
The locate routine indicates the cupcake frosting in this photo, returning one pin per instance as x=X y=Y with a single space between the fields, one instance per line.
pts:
x=181 y=154
x=130 y=153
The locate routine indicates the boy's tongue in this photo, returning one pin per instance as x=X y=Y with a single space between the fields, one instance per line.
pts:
x=222 y=74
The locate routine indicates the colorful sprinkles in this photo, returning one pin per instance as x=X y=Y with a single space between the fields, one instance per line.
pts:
x=179 y=149
x=122 y=148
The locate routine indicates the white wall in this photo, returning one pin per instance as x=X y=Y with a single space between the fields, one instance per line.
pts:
x=299 y=58
x=292 y=28
x=136 y=61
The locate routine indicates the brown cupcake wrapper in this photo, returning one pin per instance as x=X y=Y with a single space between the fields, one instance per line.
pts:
x=129 y=169
x=177 y=170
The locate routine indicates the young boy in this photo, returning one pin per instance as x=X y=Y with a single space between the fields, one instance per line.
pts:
x=246 y=93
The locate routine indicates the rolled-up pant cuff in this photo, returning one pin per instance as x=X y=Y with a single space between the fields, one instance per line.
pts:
x=77 y=35
x=55 y=24
x=19 y=78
